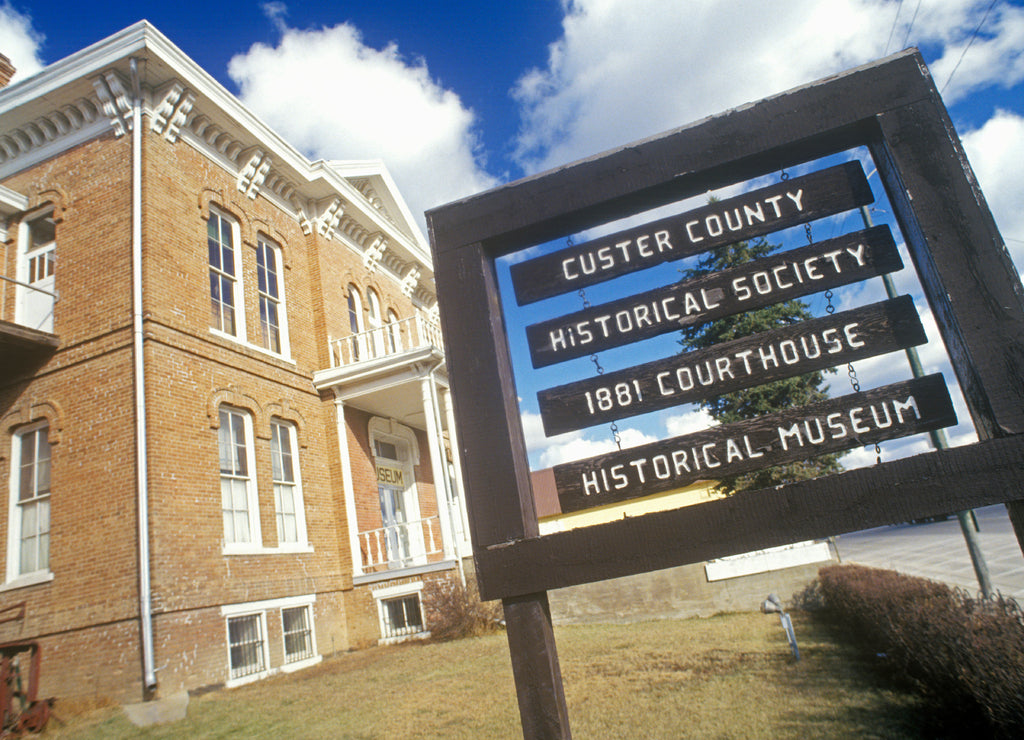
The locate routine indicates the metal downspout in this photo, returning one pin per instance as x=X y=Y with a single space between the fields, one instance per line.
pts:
x=141 y=448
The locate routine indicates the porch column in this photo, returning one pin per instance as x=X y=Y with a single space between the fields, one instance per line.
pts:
x=437 y=465
x=350 y=494
x=459 y=493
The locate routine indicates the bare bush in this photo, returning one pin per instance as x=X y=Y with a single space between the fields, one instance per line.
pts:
x=453 y=611
x=965 y=656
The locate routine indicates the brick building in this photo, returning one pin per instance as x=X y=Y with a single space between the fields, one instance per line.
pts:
x=226 y=429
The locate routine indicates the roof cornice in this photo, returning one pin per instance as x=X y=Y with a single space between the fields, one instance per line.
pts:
x=145 y=43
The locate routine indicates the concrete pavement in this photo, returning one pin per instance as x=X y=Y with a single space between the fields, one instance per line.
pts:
x=937 y=551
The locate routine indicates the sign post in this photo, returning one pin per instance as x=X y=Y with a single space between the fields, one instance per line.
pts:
x=889 y=108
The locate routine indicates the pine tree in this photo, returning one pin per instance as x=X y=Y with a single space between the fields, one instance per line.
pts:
x=763 y=399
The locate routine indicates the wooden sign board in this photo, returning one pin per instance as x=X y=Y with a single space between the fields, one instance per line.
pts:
x=812 y=269
x=893 y=110
x=746 y=216
x=793 y=350
x=855 y=420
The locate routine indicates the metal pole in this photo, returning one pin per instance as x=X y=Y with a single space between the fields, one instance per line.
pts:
x=939 y=442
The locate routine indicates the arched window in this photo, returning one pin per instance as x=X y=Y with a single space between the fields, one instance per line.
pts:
x=394 y=332
x=225 y=277
x=375 y=324
x=355 y=320
x=273 y=326
x=28 y=546
x=239 y=500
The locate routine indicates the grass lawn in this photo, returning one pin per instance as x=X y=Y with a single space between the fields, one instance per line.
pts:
x=730 y=676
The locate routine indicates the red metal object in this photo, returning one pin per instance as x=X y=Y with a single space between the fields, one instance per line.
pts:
x=20 y=711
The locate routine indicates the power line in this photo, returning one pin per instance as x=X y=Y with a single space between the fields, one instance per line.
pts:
x=907 y=36
x=973 y=36
x=893 y=29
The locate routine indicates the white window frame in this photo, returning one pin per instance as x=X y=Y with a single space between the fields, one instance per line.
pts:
x=15 y=578
x=263 y=670
x=394 y=332
x=375 y=323
x=262 y=609
x=391 y=593
x=238 y=290
x=268 y=247
x=255 y=542
x=291 y=664
x=356 y=323
x=301 y=542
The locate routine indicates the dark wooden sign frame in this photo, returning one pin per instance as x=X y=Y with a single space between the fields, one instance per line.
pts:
x=891 y=107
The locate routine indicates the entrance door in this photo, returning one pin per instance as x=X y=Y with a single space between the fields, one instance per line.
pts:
x=36 y=297
x=396 y=524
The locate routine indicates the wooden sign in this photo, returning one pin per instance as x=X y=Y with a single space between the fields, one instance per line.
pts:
x=890 y=109
x=855 y=420
x=786 y=352
x=779 y=277
x=746 y=216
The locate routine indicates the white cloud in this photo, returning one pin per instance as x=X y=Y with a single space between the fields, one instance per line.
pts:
x=996 y=151
x=336 y=98
x=689 y=422
x=546 y=452
x=19 y=42
x=996 y=53
x=624 y=69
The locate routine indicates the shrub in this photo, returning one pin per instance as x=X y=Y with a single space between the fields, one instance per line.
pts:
x=965 y=656
x=453 y=611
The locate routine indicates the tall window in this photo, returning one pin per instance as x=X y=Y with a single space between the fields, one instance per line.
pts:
x=37 y=268
x=29 y=538
x=237 y=478
x=269 y=286
x=225 y=291
x=298 y=636
x=394 y=333
x=291 y=527
x=246 y=645
x=355 y=319
x=374 y=321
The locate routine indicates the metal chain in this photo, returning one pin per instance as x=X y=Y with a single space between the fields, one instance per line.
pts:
x=831 y=309
x=593 y=357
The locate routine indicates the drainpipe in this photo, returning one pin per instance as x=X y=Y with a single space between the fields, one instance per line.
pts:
x=141 y=448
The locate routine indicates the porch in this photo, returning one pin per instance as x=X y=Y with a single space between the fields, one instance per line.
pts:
x=394 y=374
x=26 y=301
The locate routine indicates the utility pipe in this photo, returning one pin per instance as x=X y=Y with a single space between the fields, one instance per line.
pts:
x=141 y=446
x=939 y=442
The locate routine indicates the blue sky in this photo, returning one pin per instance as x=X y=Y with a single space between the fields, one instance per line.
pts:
x=456 y=97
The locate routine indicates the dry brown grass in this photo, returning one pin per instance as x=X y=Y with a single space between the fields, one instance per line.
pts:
x=730 y=676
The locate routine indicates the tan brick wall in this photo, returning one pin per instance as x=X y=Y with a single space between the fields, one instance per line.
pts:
x=89 y=612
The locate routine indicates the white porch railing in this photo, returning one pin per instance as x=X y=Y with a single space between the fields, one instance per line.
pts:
x=402 y=545
x=4 y=280
x=387 y=339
